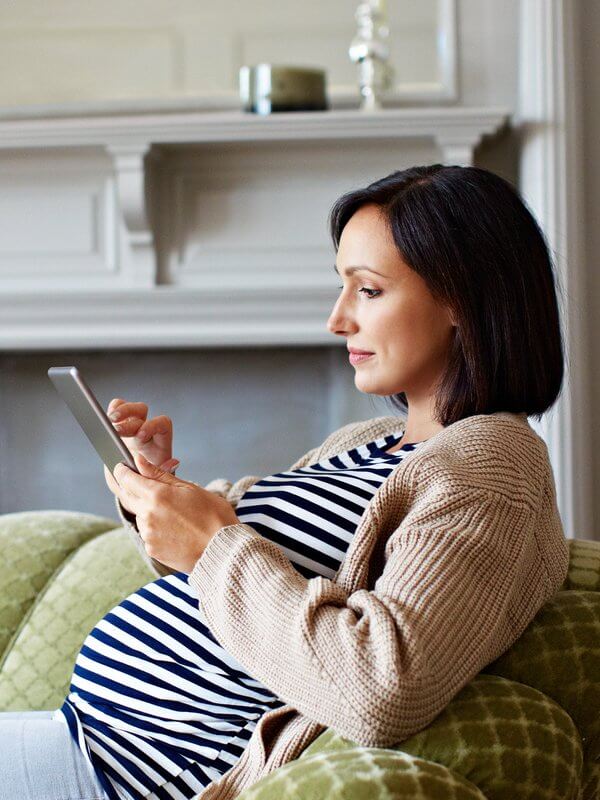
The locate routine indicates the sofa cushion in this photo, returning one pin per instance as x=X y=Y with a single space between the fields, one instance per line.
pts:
x=92 y=579
x=362 y=773
x=496 y=733
x=559 y=654
x=34 y=545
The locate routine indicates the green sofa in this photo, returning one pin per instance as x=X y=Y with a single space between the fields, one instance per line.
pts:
x=528 y=726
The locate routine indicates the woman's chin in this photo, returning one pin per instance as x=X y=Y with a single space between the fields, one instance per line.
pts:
x=371 y=384
x=368 y=384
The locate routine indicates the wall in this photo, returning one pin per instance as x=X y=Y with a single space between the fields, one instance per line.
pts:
x=590 y=66
x=236 y=411
x=185 y=47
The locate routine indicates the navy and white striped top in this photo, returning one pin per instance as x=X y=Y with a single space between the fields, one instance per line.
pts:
x=158 y=707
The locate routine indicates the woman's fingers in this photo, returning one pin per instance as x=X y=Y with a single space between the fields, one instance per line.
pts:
x=114 y=403
x=156 y=426
x=129 y=426
x=127 y=409
x=110 y=480
x=170 y=465
x=126 y=497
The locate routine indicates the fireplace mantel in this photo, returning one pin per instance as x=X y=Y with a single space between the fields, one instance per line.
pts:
x=449 y=126
x=193 y=228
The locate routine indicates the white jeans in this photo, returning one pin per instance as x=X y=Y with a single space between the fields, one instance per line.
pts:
x=40 y=761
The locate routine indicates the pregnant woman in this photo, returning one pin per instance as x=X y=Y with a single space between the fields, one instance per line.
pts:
x=364 y=585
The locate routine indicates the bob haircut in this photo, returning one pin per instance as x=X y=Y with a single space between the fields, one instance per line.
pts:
x=470 y=236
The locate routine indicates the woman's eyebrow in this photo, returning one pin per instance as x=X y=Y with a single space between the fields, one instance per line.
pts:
x=350 y=270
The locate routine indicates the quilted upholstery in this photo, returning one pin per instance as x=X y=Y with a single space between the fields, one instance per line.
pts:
x=84 y=566
x=528 y=726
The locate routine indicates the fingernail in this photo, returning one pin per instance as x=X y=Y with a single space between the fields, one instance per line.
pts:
x=114 y=416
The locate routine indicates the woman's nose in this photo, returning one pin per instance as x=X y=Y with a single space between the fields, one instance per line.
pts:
x=338 y=322
x=332 y=328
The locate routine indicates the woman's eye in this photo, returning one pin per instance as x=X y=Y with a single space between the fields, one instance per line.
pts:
x=371 y=293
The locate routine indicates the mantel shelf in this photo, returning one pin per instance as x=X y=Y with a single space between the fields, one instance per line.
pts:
x=165 y=317
x=447 y=125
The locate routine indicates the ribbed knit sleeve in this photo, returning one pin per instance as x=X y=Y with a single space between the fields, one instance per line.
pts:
x=231 y=491
x=378 y=665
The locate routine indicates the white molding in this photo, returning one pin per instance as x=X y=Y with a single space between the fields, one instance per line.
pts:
x=551 y=170
x=129 y=167
x=165 y=316
x=58 y=220
x=456 y=152
x=131 y=307
x=448 y=48
x=459 y=124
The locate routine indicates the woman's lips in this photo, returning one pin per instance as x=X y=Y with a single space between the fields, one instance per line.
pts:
x=356 y=358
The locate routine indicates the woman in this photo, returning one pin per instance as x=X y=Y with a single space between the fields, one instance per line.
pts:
x=364 y=586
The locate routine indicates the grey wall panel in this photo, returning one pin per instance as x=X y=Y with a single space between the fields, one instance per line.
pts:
x=235 y=412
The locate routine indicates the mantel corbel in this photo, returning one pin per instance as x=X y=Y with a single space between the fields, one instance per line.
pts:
x=129 y=164
x=458 y=150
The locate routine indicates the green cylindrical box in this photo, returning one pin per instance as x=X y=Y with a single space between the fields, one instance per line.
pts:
x=266 y=88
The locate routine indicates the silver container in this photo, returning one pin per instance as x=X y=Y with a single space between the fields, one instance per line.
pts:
x=265 y=88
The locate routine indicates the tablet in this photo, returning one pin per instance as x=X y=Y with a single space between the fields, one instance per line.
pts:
x=91 y=417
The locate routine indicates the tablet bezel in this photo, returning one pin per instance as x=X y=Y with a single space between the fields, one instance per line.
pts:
x=91 y=417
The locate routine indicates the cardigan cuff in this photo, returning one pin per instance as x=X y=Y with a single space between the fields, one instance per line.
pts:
x=126 y=515
x=217 y=551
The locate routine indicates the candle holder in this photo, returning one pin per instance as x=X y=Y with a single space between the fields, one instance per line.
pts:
x=370 y=51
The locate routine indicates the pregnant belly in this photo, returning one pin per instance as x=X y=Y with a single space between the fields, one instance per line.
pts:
x=152 y=657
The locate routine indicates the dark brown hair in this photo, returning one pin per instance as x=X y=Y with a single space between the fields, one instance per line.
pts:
x=467 y=232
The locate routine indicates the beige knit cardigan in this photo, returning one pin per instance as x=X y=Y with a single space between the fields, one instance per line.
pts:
x=454 y=555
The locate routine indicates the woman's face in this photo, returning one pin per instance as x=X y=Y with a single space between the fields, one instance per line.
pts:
x=392 y=314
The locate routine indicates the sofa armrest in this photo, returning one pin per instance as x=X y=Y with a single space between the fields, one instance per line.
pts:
x=368 y=773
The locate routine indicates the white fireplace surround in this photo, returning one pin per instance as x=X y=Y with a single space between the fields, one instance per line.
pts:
x=193 y=228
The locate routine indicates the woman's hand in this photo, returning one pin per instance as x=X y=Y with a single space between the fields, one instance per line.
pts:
x=176 y=519
x=153 y=438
